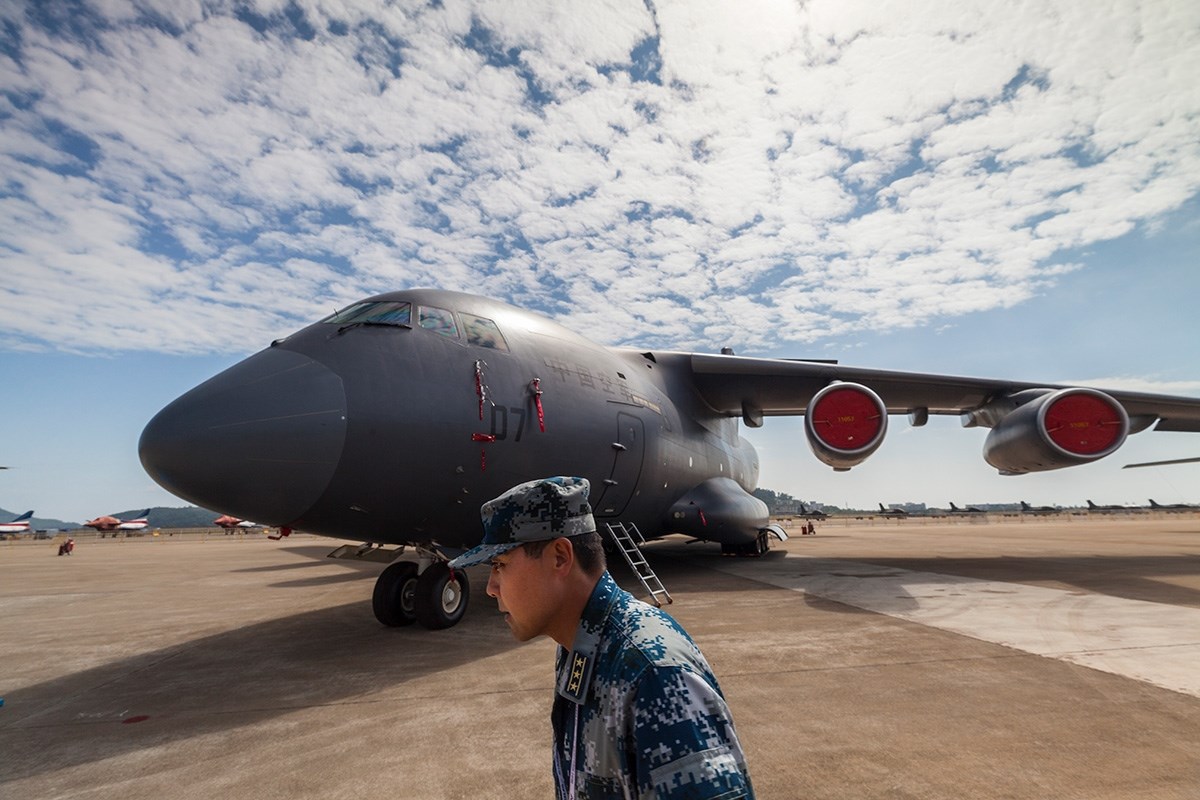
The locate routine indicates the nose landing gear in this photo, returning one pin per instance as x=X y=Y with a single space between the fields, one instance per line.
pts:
x=442 y=596
x=426 y=591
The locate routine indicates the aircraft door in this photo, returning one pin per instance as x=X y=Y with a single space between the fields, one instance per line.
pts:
x=628 y=450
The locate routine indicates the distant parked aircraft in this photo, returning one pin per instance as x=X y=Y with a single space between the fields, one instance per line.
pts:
x=1028 y=509
x=18 y=525
x=812 y=513
x=892 y=512
x=226 y=521
x=1171 y=506
x=1109 y=509
x=110 y=523
x=968 y=510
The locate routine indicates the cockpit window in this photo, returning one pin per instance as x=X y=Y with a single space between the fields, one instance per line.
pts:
x=438 y=320
x=377 y=312
x=483 y=332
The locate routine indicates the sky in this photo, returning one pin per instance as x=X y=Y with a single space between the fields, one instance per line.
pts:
x=997 y=190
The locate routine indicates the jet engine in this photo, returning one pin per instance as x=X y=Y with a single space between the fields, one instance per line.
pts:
x=1055 y=429
x=845 y=423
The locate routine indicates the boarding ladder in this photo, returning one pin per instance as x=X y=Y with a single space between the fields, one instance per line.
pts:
x=627 y=538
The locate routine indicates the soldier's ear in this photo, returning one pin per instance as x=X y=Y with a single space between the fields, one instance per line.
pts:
x=563 y=554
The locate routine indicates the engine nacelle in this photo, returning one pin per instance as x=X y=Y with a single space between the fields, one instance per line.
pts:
x=845 y=423
x=1062 y=428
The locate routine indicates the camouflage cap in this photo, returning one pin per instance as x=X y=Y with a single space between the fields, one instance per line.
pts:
x=531 y=512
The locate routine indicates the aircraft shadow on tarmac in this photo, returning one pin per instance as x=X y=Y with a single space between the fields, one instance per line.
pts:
x=353 y=570
x=1145 y=578
x=235 y=678
x=684 y=566
x=261 y=671
x=319 y=555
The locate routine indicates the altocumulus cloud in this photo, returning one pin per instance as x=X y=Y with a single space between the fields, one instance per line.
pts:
x=195 y=176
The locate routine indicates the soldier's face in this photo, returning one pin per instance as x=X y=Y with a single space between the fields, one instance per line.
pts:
x=523 y=587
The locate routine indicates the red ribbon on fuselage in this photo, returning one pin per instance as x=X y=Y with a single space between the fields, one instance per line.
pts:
x=537 y=401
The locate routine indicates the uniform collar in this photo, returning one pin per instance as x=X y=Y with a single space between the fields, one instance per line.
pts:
x=576 y=676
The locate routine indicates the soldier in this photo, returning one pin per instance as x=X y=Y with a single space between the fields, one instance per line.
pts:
x=637 y=712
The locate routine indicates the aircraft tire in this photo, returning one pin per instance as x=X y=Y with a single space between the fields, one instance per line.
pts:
x=441 y=597
x=393 y=600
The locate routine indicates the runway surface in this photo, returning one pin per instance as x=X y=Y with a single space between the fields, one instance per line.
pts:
x=982 y=658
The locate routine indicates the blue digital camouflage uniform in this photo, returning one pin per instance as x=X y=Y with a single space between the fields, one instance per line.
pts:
x=638 y=712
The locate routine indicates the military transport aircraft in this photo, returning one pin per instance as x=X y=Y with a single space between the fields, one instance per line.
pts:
x=392 y=420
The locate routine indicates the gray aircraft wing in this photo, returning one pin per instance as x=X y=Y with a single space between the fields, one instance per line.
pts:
x=781 y=387
x=1034 y=426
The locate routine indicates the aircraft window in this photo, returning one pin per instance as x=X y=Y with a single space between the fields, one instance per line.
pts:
x=438 y=320
x=378 y=312
x=483 y=332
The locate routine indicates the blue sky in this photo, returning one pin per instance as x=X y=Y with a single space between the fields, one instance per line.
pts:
x=943 y=187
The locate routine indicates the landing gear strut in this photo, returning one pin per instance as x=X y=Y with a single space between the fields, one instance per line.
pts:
x=428 y=592
x=758 y=546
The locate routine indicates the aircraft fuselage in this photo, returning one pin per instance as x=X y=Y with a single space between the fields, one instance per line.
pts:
x=398 y=433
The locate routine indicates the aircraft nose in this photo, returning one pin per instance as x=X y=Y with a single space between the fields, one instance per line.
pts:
x=260 y=440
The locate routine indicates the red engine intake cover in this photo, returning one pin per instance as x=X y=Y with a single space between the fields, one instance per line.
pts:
x=846 y=417
x=1083 y=424
x=845 y=423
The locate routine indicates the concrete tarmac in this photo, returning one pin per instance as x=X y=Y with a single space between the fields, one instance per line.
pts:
x=982 y=658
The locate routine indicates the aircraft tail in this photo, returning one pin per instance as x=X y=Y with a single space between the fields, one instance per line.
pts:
x=1091 y=506
x=1154 y=504
x=954 y=507
x=881 y=508
x=1024 y=506
x=26 y=516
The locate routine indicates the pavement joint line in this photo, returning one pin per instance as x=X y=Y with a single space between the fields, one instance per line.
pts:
x=1134 y=648
x=1016 y=654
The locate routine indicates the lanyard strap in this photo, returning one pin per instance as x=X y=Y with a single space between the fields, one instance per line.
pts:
x=574 y=748
x=566 y=784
